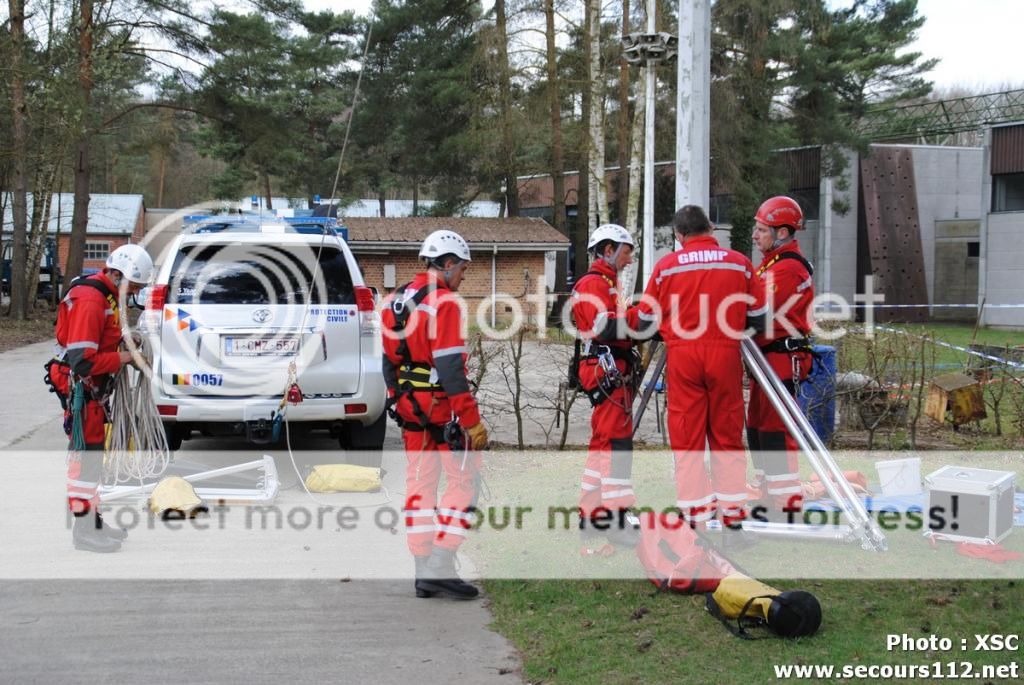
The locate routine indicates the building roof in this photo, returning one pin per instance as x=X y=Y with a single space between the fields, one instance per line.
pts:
x=409 y=232
x=108 y=214
x=246 y=203
x=403 y=208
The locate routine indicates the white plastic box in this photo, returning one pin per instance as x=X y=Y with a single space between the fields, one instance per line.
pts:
x=982 y=510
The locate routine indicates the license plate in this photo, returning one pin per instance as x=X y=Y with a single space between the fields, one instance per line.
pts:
x=261 y=347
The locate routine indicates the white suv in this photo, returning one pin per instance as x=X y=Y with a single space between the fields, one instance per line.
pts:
x=243 y=306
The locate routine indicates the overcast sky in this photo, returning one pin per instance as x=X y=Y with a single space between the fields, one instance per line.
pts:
x=976 y=41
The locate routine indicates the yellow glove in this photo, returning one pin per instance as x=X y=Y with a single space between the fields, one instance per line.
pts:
x=477 y=437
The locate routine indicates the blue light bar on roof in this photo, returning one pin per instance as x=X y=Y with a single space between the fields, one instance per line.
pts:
x=252 y=223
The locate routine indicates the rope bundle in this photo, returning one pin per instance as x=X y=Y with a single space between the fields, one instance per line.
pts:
x=138 y=444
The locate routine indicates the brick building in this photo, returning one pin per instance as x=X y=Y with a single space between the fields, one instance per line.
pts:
x=114 y=220
x=509 y=255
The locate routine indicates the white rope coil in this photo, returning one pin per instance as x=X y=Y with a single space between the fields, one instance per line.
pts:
x=138 y=446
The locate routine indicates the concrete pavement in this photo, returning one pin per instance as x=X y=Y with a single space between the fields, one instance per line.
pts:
x=234 y=601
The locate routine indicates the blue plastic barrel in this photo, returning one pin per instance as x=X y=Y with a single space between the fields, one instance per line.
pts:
x=818 y=393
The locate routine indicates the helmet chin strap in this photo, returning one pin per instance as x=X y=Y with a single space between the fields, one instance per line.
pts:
x=611 y=261
x=442 y=273
x=779 y=242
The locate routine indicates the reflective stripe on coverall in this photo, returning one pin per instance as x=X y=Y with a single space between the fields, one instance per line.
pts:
x=89 y=330
x=433 y=333
x=790 y=290
x=706 y=292
x=607 y=475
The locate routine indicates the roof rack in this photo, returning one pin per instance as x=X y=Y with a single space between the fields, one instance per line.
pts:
x=254 y=223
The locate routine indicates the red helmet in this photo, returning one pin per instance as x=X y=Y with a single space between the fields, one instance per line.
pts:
x=780 y=212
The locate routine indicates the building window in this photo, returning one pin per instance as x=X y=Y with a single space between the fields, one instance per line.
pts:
x=720 y=209
x=1008 y=192
x=809 y=200
x=97 y=250
x=973 y=249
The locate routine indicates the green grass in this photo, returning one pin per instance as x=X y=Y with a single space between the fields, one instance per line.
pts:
x=621 y=632
x=588 y=619
x=582 y=619
x=961 y=334
x=852 y=356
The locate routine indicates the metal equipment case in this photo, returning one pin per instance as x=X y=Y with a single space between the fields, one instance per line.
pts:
x=982 y=510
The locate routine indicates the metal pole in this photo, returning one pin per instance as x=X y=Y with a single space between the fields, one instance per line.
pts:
x=831 y=475
x=648 y=256
x=693 y=104
x=825 y=236
x=986 y=206
x=700 y=171
x=684 y=100
x=659 y=368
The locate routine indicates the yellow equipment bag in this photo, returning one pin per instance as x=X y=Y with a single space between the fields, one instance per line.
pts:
x=343 y=478
x=794 y=613
x=174 y=494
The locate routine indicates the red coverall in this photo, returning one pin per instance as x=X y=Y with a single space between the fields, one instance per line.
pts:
x=705 y=293
x=607 y=474
x=434 y=336
x=789 y=290
x=89 y=331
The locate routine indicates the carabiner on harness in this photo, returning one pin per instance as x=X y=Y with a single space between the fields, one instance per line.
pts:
x=606 y=361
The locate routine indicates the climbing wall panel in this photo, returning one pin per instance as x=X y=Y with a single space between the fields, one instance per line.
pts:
x=893 y=231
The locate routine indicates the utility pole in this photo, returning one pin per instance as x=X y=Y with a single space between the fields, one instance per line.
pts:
x=650 y=76
x=693 y=104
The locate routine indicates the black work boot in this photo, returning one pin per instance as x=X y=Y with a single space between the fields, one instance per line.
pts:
x=88 y=538
x=624 y=530
x=589 y=530
x=421 y=573
x=440 y=577
x=119 y=534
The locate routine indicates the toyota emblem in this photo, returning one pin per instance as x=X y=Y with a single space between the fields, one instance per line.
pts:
x=262 y=315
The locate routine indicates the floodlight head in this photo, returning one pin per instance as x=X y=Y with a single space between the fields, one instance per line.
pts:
x=632 y=53
x=629 y=40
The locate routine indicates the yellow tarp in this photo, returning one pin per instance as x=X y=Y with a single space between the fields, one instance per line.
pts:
x=173 y=493
x=343 y=478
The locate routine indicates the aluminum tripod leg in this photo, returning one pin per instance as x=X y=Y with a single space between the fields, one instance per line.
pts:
x=659 y=368
x=838 y=488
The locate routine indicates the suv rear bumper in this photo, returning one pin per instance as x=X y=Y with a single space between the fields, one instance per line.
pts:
x=365 y=408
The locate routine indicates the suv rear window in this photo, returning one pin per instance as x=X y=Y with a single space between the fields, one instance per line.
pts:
x=237 y=273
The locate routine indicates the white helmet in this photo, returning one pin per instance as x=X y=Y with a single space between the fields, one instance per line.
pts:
x=612 y=232
x=444 y=242
x=133 y=261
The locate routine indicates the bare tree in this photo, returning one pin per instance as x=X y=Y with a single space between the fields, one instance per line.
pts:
x=555 y=107
x=512 y=372
x=508 y=148
x=633 y=201
x=83 y=162
x=595 y=122
x=19 y=291
x=920 y=369
x=624 y=122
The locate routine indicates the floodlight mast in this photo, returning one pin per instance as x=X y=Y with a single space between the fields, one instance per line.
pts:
x=649 y=49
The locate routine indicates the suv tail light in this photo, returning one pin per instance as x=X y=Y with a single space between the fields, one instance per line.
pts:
x=364 y=298
x=369 y=319
x=157 y=297
x=149 y=320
